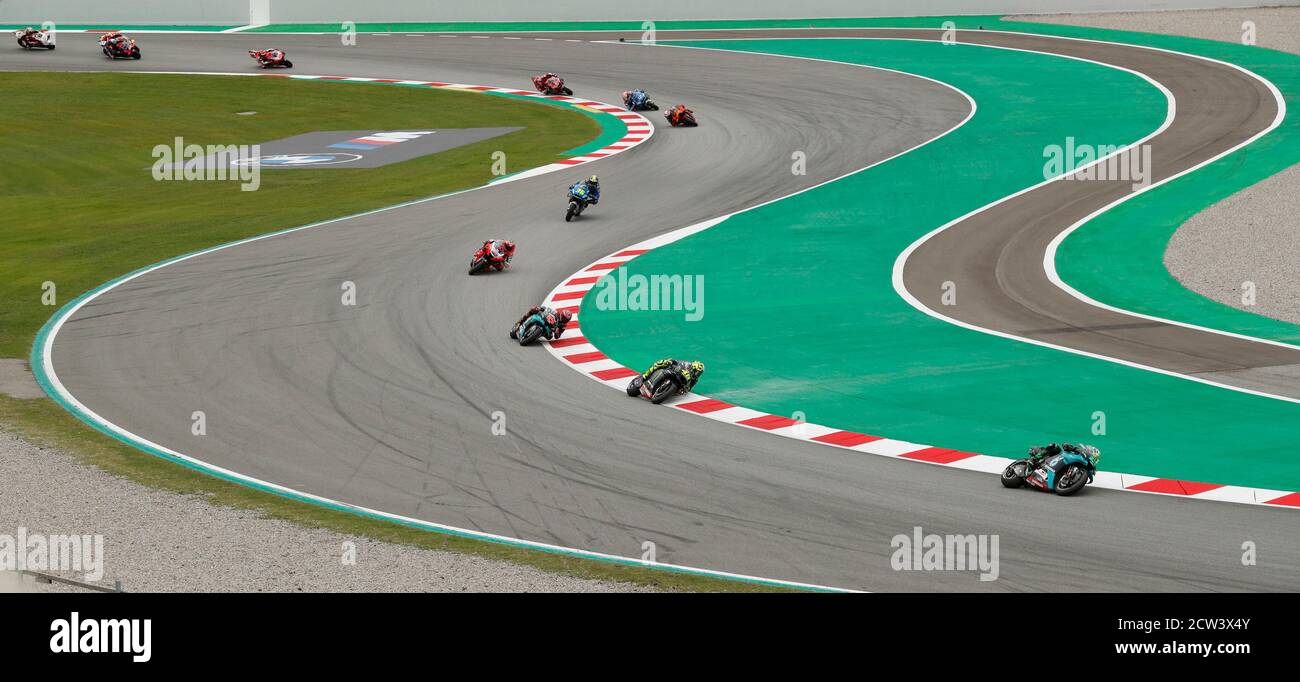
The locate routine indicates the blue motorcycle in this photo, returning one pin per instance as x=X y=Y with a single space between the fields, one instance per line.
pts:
x=1064 y=473
x=534 y=327
x=638 y=100
x=579 y=197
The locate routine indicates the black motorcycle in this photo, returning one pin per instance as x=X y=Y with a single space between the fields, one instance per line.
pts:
x=662 y=384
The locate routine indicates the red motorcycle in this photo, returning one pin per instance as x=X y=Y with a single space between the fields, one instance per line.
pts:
x=484 y=260
x=271 y=59
x=680 y=116
x=29 y=39
x=550 y=84
x=117 y=46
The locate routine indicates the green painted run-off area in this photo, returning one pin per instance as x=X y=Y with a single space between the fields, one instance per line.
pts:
x=795 y=322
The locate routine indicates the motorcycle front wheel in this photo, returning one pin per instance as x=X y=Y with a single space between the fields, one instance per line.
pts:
x=662 y=387
x=530 y=335
x=573 y=210
x=1070 y=481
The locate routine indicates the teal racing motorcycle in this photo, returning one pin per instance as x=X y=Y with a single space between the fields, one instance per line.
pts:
x=1060 y=470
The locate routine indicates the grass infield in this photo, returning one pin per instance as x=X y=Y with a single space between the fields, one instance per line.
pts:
x=83 y=206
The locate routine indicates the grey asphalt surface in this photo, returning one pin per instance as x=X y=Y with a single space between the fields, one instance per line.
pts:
x=389 y=404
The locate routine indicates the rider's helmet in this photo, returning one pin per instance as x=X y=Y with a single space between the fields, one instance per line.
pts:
x=1092 y=453
x=697 y=368
x=564 y=316
x=593 y=181
x=508 y=246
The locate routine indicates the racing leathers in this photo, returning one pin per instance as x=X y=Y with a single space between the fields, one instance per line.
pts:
x=499 y=252
x=593 y=191
x=561 y=320
x=680 y=368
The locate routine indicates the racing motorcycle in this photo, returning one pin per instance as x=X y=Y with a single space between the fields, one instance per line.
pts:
x=271 y=59
x=553 y=85
x=536 y=326
x=29 y=40
x=125 y=48
x=481 y=261
x=683 y=119
x=638 y=100
x=579 y=197
x=1064 y=473
x=662 y=384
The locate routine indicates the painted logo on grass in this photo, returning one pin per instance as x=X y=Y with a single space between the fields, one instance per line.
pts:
x=299 y=159
x=369 y=148
x=179 y=161
x=380 y=140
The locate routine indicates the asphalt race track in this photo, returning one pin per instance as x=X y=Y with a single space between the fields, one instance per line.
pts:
x=388 y=405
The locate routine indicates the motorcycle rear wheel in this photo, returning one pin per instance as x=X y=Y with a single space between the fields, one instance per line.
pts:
x=1014 y=475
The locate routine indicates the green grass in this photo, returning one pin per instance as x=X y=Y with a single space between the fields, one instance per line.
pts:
x=83 y=206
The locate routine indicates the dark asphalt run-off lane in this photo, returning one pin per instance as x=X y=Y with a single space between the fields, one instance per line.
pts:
x=389 y=404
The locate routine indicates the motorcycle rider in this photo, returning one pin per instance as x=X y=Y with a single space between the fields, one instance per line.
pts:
x=1092 y=454
x=544 y=81
x=675 y=114
x=593 y=189
x=116 y=41
x=499 y=252
x=628 y=95
x=271 y=56
x=690 y=371
x=562 y=319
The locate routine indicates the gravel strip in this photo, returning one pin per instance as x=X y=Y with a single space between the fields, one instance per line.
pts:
x=158 y=541
x=1251 y=236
